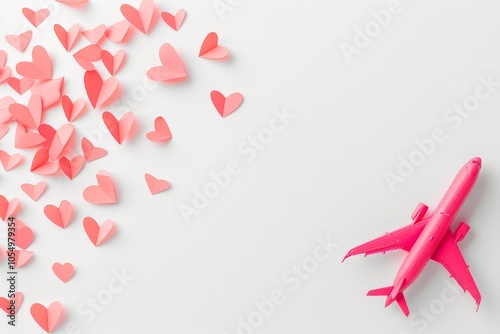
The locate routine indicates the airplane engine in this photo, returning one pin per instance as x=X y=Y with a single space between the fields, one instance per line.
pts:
x=419 y=212
x=461 y=232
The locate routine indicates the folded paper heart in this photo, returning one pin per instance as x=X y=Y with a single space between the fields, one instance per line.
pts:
x=20 y=85
x=61 y=216
x=161 y=132
x=113 y=63
x=20 y=42
x=9 y=208
x=10 y=161
x=87 y=55
x=36 y=18
x=90 y=152
x=143 y=18
x=68 y=38
x=40 y=68
x=174 y=21
x=22 y=257
x=57 y=142
x=119 y=129
x=172 y=69
x=63 y=271
x=98 y=234
x=99 y=92
x=71 y=167
x=156 y=185
x=48 y=318
x=226 y=105
x=49 y=91
x=25 y=139
x=103 y=192
x=34 y=191
x=4 y=129
x=16 y=300
x=210 y=48
x=73 y=110
x=41 y=164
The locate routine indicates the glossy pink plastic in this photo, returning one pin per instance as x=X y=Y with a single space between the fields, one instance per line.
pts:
x=429 y=238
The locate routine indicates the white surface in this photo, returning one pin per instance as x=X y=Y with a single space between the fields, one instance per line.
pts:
x=322 y=176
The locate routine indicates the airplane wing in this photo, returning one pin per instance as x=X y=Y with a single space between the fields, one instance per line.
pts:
x=449 y=255
x=402 y=238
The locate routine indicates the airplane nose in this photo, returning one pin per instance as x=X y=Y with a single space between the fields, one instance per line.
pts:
x=473 y=167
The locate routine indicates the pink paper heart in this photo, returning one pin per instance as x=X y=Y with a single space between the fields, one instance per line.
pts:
x=162 y=131
x=30 y=115
x=9 y=208
x=95 y=35
x=48 y=318
x=24 y=236
x=226 y=105
x=39 y=68
x=71 y=167
x=143 y=18
x=61 y=216
x=99 y=92
x=73 y=110
x=113 y=63
x=41 y=164
x=90 y=152
x=6 y=303
x=10 y=162
x=156 y=185
x=63 y=271
x=87 y=55
x=174 y=22
x=172 y=69
x=36 y=18
x=68 y=38
x=34 y=191
x=103 y=192
x=210 y=48
x=98 y=234
x=119 y=129
x=119 y=32
x=20 y=42
x=20 y=85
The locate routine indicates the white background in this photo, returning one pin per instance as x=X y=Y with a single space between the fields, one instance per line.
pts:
x=323 y=176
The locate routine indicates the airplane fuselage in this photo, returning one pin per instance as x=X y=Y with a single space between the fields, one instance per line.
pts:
x=436 y=228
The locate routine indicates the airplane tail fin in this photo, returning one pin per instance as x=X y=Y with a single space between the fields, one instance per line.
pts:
x=386 y=291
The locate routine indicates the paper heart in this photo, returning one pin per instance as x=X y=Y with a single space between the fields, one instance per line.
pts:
x=90 y=152
x=99 y=92
x=103 y=192
x=9 y=208
x=41 y=164
x=48 y=318
x=24 y=237
x=31 y=115
x=144 y=18
x=5 y=116
x=68 y=38
x=226 y=105
x=73 y=110
x=61 y=216
x=40 y=68
x=94 y=36
x=25 y=139
x=34 y=191
x=98 y=234
x=162 y=131
x=87 y=55
x=74 y=3
x=36 y=18
x=10 y=161
x=49 y=91
x=156 y=185
x=119 y=129
x=174 y=22
x=6 y=303
x=63 y=271
x=210 y=49
x=20 y=42
x=22 y=257
x=113 y=63
x=57 y=142
x=20 y=85
x=118 y=32
x=71 y=167
x=172 y=69
x=3 y=130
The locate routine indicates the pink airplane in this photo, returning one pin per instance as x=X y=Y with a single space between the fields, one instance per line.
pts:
x=427 y=239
